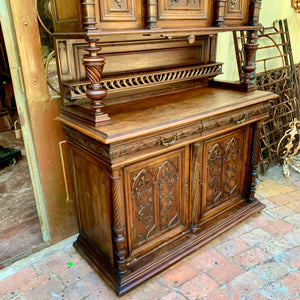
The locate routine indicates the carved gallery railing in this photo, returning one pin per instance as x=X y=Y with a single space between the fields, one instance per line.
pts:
x=275 y=72
x=73 y=91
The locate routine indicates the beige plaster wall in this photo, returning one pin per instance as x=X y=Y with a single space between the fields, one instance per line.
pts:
x=271 y=10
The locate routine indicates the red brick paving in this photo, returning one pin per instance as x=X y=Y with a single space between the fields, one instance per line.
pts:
x=258 y=259
x=278 y=228
x=251 y=257
x=181 y=273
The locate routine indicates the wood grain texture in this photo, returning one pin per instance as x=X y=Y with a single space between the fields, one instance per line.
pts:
x=174 y=109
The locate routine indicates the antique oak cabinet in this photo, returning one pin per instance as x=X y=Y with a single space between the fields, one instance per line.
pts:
x=160 y=157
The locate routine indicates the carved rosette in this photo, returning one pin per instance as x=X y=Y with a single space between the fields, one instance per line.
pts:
x=254 y=160
x=249 y=67
x=119 y=227
x=94 y=64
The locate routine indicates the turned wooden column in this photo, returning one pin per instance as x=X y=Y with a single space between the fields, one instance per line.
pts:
x=254 y=160
x=119 y=224
x=89 y=15
x=94 y=64
x=254 y=9
x=196 y=184
x=151 y=13
x=219 y=12
x=249 y=66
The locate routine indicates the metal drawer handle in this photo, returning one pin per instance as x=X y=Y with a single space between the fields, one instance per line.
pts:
x=242 y=120
x=162 y=141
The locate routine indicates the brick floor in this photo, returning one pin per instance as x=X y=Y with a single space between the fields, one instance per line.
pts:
x=256 y=260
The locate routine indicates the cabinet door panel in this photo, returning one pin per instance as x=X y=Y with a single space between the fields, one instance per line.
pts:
x=236 y=12
x=155 y=199
x=183 y=13
x=224 y=167
x=120 y=14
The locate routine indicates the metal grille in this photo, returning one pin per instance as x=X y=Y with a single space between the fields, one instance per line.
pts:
x=276 y=72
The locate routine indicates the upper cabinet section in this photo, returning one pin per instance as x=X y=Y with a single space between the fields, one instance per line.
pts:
x=183 y=13
x=119 y=15
x=66 y=15
x=236 y=12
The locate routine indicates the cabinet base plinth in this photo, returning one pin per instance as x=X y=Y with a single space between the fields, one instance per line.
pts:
x=154 y=262
x=85 y=115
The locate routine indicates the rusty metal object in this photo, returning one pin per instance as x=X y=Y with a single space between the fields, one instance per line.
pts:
x=288 y=147
x=276 y=73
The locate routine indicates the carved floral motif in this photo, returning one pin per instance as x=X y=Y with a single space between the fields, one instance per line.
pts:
x=119 y=3
x=184 y=3
x=86 y=142
x=154 y=189
x=233 y=3
x=167 y=176
x=142 y=192
x=222 y=171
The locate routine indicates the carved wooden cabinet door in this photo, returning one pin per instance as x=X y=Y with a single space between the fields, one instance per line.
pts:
x=236 y=12
x=184 y=13
x=224 y=165
x=155 y=200
x=120 y=14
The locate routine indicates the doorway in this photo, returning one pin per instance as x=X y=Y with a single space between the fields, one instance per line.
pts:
x=20 y=229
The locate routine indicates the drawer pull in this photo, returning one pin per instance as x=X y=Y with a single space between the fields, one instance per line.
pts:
x=162 y=141
x=242 y=120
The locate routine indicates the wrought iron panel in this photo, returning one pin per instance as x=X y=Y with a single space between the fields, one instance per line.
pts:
x=275 y=72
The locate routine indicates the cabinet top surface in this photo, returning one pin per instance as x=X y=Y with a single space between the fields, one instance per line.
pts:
x=162 y=112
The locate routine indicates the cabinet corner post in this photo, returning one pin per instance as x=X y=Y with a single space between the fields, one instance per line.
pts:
x=254 y=9
x=152 y=15
x=219 y=13
x=253 y=163
x=196 y=205
x=119 y=223
x=249 y=66
x=94 y=64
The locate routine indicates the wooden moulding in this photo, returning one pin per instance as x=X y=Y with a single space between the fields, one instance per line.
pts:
x=138 y=80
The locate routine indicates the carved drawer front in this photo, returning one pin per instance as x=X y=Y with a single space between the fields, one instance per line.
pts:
x=224 y=170
x=155 y=200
